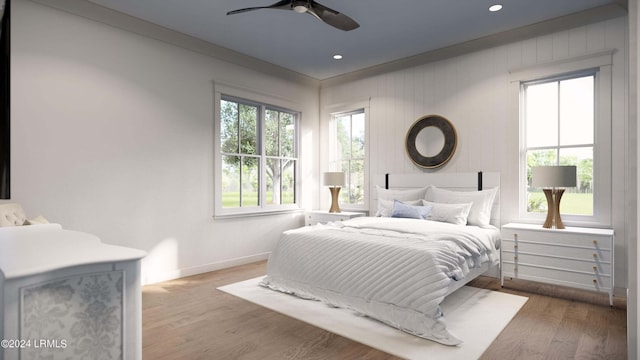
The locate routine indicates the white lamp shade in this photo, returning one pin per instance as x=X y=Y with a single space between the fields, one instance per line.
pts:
x=554 y=176
x=333 y=179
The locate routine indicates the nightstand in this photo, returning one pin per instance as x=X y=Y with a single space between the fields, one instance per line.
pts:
x=320 y=216
x=575 y=257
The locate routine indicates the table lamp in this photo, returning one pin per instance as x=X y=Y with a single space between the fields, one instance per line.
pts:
x=550 y=178
x=334 y=180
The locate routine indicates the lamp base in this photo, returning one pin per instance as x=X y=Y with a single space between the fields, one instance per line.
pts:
x=335 y=208
x=553 y=220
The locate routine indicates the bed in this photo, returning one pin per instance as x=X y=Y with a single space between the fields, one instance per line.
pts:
x=428 y=235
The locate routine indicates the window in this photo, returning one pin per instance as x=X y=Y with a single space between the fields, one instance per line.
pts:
x=565 y=112
x=559 y=118
x=349 y=144
x=258 y=157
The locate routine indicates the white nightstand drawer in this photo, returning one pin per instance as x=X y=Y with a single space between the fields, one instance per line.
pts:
x=318 y=216
x=586 y=266
x=595 y=282
x=558 y=250
x=555 y=238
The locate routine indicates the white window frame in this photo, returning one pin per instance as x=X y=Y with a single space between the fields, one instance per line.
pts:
x=346 y=108
x=602 y=150
x=253 y=96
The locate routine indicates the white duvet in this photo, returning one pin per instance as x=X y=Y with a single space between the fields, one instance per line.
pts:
x=394 y=270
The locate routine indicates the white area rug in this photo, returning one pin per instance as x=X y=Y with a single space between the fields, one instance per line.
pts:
x=476 y=316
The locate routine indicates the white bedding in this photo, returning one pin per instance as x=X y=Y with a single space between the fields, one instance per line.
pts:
x=391 y=269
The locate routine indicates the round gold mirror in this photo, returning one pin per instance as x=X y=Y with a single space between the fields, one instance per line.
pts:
x=431 y=141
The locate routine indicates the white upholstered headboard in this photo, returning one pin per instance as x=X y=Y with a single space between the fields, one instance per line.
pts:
x=472 y=181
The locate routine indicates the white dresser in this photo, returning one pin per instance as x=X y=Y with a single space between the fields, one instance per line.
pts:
x=67 y=295
x=575 y=257
x=320 y=216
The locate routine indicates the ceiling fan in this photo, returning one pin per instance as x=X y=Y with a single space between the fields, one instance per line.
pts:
x=321 y=12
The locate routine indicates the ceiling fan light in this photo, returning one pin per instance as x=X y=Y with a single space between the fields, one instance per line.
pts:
x=300 y=6
x=496 y=7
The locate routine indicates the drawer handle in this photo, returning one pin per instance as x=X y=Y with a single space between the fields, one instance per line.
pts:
x=595 y=281
x=595 y=256
x=595 y=268
x=595 y=242
x=515 y=269
x=515 y=246
x=515 y=258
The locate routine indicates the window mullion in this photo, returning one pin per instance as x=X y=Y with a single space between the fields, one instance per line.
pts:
x=240 y=174
x=262 y=184
x=238 y=135
x=279 y=157
x=279 y=137
x=281 y=169
x=240 y=157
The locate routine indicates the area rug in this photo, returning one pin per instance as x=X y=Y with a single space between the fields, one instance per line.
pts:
x=476 y=316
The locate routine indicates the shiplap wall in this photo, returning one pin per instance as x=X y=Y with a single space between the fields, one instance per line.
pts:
x=472 y=91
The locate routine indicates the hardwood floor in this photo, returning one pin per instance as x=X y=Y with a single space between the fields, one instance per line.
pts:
x=190 y=319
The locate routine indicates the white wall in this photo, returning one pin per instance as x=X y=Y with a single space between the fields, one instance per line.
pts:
x=112 y=134
x=472 y=91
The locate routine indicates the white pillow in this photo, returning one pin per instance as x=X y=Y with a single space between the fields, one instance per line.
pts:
x=384 y=207
x=402 y=210
x=482 y=202
x=451 y=213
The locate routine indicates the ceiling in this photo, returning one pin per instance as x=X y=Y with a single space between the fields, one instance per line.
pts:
x=389 y=30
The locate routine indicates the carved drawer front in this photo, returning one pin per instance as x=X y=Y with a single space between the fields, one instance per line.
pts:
x=78 y=317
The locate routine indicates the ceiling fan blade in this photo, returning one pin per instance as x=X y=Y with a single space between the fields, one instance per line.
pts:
x=323 y=13
x=283 y=5
x=332 y=17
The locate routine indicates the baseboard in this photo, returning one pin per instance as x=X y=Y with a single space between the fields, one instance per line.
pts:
x=195 y=270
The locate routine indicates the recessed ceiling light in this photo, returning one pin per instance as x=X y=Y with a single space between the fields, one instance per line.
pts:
x=337 y=57
x=496 y=7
